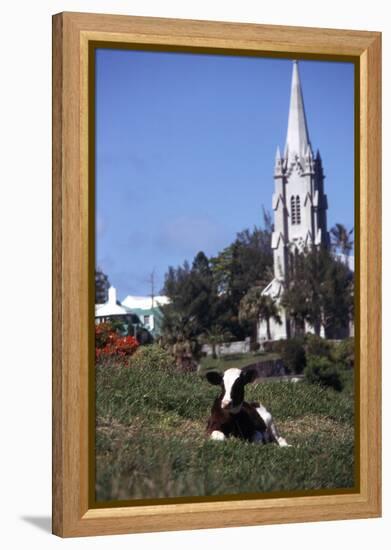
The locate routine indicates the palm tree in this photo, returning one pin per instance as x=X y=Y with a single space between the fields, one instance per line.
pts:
x=256 y=306
x=341 y=240
x=216 y=336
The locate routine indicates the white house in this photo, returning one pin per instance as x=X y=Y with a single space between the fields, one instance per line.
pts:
x=111 y=308
x=147 y=309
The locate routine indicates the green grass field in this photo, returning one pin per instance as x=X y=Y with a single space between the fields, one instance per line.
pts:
x=150 y=438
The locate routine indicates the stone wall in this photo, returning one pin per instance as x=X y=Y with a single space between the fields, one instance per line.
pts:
x=230 y=348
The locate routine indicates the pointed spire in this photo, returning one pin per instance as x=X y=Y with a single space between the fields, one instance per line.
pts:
x=309 y=160
x=278 y=164
x=297 y=139
x=318 y=164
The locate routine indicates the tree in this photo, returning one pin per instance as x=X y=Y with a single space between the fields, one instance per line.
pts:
x=174 y=279
x=176 y=324
x=295 y=297
x=337 y=298
x=244 y=263
x=202 y=292
x=102 y=285
x=255 y=307
x=318 y=290
x=341 y=240
x=221 y=266
x=313 y=264
x=193 y=298
x=247 y=262
x=253 y=257
x=215 y=336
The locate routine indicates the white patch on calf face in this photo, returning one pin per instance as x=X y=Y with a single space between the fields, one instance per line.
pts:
x=229 y=378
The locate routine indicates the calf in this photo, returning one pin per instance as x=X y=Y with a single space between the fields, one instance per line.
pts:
x=232 y=416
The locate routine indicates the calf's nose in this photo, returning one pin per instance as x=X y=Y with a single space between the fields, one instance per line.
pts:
x=225 y=403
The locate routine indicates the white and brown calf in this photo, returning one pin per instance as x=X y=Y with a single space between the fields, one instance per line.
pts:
x=232 y=416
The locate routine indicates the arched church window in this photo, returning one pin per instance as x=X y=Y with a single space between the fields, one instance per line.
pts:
x=293 y=210
x=298 y=213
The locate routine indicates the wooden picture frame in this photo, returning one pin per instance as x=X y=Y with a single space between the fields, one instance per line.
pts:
x=72 y=267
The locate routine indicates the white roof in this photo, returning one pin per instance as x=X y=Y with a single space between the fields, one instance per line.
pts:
x=144 y=302
x=105 y=310
x=111 y=307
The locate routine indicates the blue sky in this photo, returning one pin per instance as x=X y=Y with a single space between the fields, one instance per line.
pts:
x=185 y=148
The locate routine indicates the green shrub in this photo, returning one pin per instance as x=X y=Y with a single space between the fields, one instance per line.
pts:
x=344 y=351
x=320 y=370
x=254 y=346
x=267 y=346
x=275 y=346
x=152 y=357
x=315 y=345
x=293 y=355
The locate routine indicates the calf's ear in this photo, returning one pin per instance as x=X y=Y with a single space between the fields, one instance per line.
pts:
x=214 y=378
x=248 y=375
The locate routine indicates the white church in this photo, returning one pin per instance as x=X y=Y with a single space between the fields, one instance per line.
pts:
x=299 y=203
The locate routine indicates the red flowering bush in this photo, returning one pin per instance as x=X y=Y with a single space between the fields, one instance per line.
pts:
x=110 y=344
x=103 y=331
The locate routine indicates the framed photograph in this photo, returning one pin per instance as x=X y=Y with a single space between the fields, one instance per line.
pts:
x=216 y=274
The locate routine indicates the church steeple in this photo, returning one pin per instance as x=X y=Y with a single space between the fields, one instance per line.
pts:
x=297 y=138
x=299 y=206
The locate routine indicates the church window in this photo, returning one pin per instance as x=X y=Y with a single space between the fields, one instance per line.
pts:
x=293 y=210
x=298 y=213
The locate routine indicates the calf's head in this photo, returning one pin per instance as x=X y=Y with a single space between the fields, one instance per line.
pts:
x=232 y=383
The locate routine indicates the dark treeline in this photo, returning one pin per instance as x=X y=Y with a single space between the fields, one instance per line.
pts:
x=102 y=285
x=319 y=290
x=205 y=296
x=220 y=298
